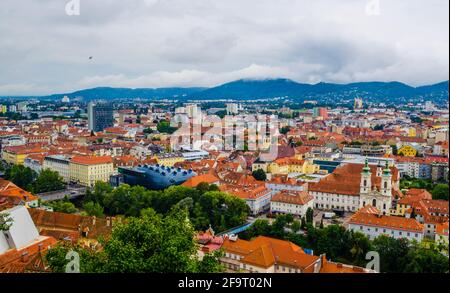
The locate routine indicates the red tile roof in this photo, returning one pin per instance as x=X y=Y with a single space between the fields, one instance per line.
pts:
x=362 y=217
x=91 y=160
x=292 y=197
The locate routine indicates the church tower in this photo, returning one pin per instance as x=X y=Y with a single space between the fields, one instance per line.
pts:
x=386 y=181
x=379 y=169
x=366 y=179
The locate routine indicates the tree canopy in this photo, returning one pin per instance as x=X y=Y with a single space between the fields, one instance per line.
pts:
x=164 y=127
x=150 y=243
x=341 y=245
x=259 y=175
x=48 y=180
x=206 y=205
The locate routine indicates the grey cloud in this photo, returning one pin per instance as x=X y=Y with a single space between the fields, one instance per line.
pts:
x=205 y=42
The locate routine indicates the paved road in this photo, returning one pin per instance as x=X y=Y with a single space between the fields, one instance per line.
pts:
x=70 y=191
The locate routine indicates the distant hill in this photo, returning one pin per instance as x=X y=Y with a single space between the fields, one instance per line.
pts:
x=375 y=91
x=121 y=93
x=247 y=89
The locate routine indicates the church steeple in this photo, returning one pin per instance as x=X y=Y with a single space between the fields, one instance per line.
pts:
x=386 y=181
x=379 y=169
x=366 y=179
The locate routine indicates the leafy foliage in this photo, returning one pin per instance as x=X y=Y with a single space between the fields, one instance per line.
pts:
x=150 y=243
x=48 y=180
x=21 y=176
x=341 y=245
x=93 y=209
x=5 y=222
x=206 y=205
x=26 y=178
x=164 y=127
x=440 y=191
x=284 y=130
x=62 y=206
x=259 y=175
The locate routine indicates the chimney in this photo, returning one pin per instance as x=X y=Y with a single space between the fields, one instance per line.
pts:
x=25 y=257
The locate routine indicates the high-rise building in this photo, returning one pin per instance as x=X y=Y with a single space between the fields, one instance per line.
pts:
x=22 y=106
x=100 y=116
x=320 y=112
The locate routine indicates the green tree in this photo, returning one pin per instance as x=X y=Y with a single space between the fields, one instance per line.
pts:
x=21 y=176
x=440 y=191
x=93 y=209
x=284 y=130
x=5 y=222
x=48 y=180
x=151 y=243
x=259 y=175
x=210 y=263
x=296 y=226
x=393 y=253
x=424 y=260
x=164 y=127
x=63 y=206
x=309 y=215
x=394 y=149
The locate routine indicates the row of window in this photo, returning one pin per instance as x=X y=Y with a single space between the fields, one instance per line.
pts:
x=392 y=232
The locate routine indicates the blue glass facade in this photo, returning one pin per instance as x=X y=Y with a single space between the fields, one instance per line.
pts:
x=155 y=177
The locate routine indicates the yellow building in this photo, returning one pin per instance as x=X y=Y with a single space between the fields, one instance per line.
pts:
x=16 y=154
x=87 y=170
x=169 y=159
x=412 y=132
x=291 y=165
x=407 y=151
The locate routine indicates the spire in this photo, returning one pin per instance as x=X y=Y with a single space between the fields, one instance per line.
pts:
x=387 y=171
x=366 y=168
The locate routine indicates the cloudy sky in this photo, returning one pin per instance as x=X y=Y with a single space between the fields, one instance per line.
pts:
x=160 y=43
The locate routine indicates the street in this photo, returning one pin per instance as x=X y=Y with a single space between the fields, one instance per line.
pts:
x=72 y=191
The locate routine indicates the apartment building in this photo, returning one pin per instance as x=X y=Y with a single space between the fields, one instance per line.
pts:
x=270 y=255
x=87 y=170
x=369 y=221
x=58 y=163
x=291 y=202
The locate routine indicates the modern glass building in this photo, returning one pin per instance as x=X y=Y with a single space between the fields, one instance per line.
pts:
x=155 y=177
x=100 y=116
